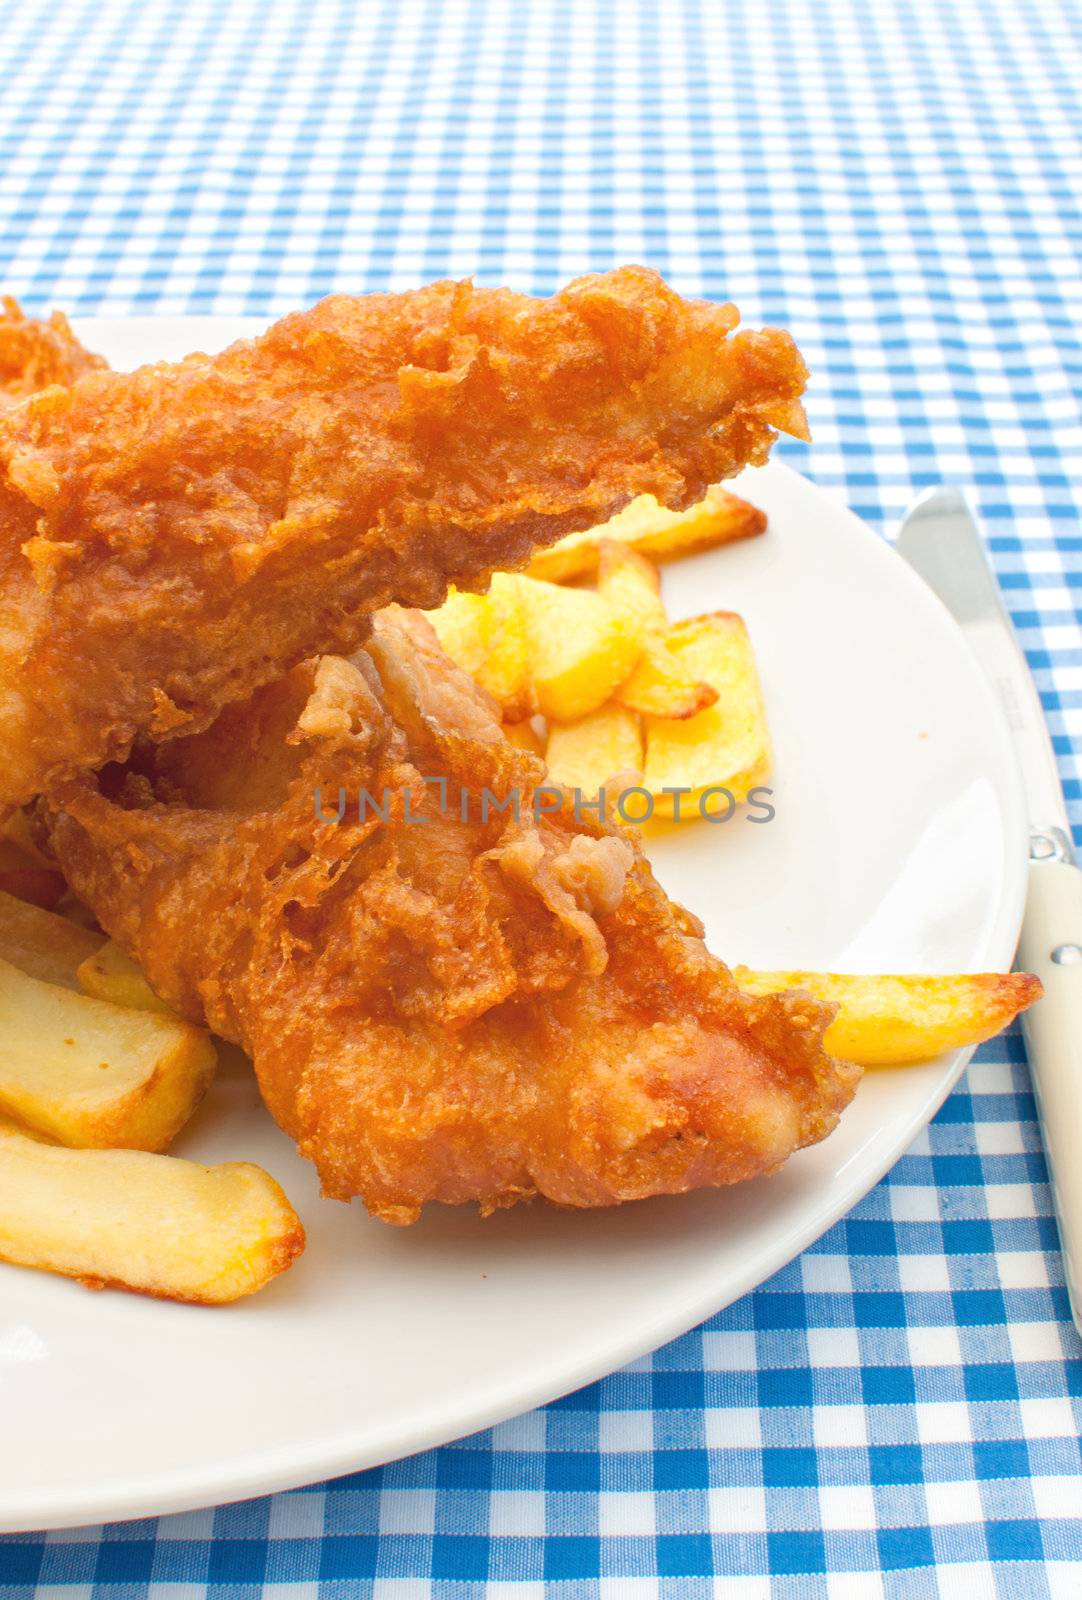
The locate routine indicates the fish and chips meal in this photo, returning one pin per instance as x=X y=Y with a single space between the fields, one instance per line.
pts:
x=336 y=685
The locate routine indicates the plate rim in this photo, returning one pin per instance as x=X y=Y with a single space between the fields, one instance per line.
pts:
x=354 y=1447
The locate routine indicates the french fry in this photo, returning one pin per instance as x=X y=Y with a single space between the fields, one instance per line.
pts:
x=461 y=625
x=727 y=745
x=630 y=583
x=485 y=634
x=891 y=1020
x=91 y=1074
x=28 y=878
x=719 y=518
x=73 y=910
x=17 y=830
x=506 y=670
x=581 y=648
x=153 y=1224
x=110 y=974
x=526 y=736
x=584 y=755
x=659 y=686
x=42 y=944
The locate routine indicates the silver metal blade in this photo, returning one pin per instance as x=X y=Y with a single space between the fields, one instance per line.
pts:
x=940 y=540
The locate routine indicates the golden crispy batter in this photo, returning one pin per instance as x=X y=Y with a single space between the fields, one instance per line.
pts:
x=172 y=538
x=438 y=1009
x=34 y=354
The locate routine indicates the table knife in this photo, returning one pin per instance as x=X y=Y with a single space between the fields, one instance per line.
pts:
x=940 y=540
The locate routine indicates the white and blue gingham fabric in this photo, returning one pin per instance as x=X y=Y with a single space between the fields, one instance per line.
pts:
x=898 y=1412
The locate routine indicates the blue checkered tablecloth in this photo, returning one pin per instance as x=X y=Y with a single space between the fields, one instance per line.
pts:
x=898 y=181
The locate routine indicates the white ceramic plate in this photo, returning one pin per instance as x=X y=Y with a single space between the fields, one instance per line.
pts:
x=898 y=844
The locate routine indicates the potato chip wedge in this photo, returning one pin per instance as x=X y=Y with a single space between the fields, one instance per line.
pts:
x=581 y=648
x=28 y=878
x=73 y=910
x=584 y=755
x=43 y=944
x=486 y=635
x=153 y=1224
x=110 y=974
x=91 y=1074
x=17 y=830
x=725 y=747
x=462 y=626
x=659 y=685
x=526 y=736
x=719 y=518
x=505 y=670
x=890 y=1020
x=630 y=583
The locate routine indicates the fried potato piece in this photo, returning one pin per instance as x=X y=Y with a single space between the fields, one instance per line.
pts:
x=26 y=877
x=110 y=974
x=525 y=736
x=727 y=746
x=890 y=1020
x=462 y=626
x=658 y=685
x=122 y=1219
x=485 y=634
x=17 y=830
x=581 y=648
x=42 y=944
x=584 y=755
x=631 y=583
x=646 y=526
x=25 y=871
x=91 y=1074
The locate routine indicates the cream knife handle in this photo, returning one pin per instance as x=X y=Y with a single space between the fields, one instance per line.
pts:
x=1051 y=946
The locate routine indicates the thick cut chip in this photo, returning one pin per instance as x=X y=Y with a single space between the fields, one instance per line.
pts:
x=485 y=634
x=525 y=736
x=110 y=974
x=505 y=672
x=719 y=518
x=890 y=1020
x=42 y=944
x=27 y=877
x=726 y=748
x=631 y=583
x=581 y=648
x=660 y=685
x=91 y=1074
x=127 y=1220
x=585 y=755
x=462 y=627
x=17 y=829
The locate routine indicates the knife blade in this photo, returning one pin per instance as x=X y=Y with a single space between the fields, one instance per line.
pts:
x=940 y=540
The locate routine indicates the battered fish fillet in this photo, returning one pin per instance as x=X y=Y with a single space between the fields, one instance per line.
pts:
x=34 y=354
x=438 y=1009
x=172 y=538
